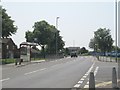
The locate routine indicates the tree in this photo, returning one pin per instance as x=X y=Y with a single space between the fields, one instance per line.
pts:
x=92 y=43
x=83 y=50
x=102 y=40
x=8 y=27
x=45 y=34
x=29 y=36
x=52 y=45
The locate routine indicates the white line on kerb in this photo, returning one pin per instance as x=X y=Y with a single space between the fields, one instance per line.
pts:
x=4 y=79
x=34 y=71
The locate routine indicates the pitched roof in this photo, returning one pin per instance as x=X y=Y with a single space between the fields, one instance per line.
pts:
x=73 y=48
x=6 y=40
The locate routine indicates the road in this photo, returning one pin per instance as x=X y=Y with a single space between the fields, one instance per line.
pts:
x=61 y=73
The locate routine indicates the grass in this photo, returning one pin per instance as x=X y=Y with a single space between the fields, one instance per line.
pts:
x=7 y=61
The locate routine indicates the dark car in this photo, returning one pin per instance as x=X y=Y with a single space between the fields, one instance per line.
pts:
x=74 y=54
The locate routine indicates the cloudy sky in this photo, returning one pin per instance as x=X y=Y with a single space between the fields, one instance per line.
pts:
x=77 y=23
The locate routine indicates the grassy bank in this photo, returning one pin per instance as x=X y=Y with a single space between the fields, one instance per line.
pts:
x=7 y=61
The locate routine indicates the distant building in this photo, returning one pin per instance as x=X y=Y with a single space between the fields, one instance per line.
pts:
x=9 y=49
x=74 y=49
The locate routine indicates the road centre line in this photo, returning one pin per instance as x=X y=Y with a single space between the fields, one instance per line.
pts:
x=83 y=78
x=77 y=85
x=34 y=71
x=95 y=72
x=4 y=79
x=80 y=82
x=86 y=86
x=87 y=82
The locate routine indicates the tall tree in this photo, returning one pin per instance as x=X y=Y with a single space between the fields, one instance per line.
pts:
x=29 y=36
x=52 y=45
x=8 y=27
x=102 y=40
x=45 y=34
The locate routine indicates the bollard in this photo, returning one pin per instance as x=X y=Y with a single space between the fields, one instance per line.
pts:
x=91 y=81
x=114 y=78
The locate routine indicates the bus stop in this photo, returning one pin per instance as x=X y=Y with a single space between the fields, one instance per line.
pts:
x=25 y=52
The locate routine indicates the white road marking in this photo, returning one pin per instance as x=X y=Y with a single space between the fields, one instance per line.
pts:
x=4 y=79
x=77 y=85
x=82 y=79
x=86 y=86
x=96 y=70
x=88 y=82
x=80 y=82
x=34 y=71
x=84 y=76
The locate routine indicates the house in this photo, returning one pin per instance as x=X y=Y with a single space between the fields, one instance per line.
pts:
x=73 y=49
x=9 y=49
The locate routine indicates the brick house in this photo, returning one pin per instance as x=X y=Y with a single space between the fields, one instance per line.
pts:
x=9 y=49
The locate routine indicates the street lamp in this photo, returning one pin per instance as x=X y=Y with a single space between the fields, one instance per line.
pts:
x=56 y=32
x=116 y=29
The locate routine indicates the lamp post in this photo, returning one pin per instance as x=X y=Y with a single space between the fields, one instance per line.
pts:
x=116 y=29
x=56 y=33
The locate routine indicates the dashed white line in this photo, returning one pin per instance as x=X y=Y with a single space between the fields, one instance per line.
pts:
x=96 y=70
x=86 y=86
x=86 y=74
x=80 y=82
x=88 y=82
x=4 y=79
x=77 y=85
x=34 y=71
x=83 y=78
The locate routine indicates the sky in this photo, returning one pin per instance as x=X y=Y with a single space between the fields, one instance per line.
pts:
x=77 y=22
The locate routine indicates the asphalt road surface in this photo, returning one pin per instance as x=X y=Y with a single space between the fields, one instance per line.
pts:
x=60 y=73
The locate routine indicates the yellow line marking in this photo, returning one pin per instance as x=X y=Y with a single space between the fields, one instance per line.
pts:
x=103 y=84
